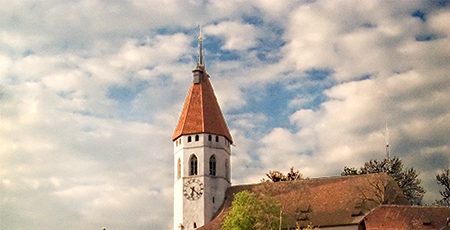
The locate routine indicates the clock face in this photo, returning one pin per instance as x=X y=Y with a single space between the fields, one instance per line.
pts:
x=193 y=189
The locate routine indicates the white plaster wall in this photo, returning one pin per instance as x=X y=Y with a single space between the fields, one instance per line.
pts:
x=346 y=227
x=178 y=189
x=217 y=185
x=193 y=210
x=202 y=210
x=216 y=188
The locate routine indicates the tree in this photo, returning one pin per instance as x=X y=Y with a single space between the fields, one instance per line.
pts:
x=349 y=171
x=407 y=179
x=251 y=211
x=443 y=179
x=276 y=176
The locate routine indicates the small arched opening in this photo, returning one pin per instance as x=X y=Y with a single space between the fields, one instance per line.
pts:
x=193 y=165
x=212 y=165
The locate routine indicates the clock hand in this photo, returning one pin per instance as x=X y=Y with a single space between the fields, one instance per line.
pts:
x=192 y=191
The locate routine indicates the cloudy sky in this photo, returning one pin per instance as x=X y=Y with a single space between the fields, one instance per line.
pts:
x=90 y=92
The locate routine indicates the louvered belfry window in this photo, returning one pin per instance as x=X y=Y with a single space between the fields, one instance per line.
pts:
x=193 y=165
x=212 y=165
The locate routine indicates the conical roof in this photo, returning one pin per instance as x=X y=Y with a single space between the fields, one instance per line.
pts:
x=201 y=112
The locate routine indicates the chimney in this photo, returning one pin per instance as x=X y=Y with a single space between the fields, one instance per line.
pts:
x=198 y=74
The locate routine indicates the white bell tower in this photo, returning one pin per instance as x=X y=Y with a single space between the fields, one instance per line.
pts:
x=202 y=163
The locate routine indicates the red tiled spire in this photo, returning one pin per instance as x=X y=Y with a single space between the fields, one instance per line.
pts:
x=201 y=112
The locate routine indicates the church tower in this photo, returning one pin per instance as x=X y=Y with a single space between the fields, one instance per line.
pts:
x=202 y=151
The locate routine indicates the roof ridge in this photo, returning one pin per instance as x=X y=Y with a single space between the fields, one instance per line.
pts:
x=322 y=205
x=311 y=179
x=202 y=107
x=411 y=206
x=183 y=123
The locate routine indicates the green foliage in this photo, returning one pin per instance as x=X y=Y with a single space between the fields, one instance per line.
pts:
x=407 y=179
x=252 y=212
x=309 y=227
x=443 y=179
x=349 y=171
x=276 y=176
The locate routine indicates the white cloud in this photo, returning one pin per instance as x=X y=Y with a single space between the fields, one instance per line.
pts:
x=160 y=50
x=358 y=39
x=298 y=102
x=274 y=9
x=92 y=166
x=80 y=26
x=302 y=117
x=88 y=159
x=64 y=136
x=407 y=89
x=237 y=35
x=438 y=22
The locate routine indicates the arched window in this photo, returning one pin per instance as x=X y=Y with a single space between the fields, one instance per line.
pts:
x=195 y=225
x=217 y=138
x=179 y=169
x=212 y=165
x=192 y=165
x=209 y=137
x=196 y=137
x=189 y=138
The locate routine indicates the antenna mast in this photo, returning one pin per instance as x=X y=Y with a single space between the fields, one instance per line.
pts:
x=386 y=140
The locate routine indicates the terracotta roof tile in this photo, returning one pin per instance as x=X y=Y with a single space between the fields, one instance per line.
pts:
x=330 y=201
x=407 y=217
x=201 y=112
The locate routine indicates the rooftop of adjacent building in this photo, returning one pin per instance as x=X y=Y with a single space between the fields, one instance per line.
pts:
x=328 y=201
x=408 y=217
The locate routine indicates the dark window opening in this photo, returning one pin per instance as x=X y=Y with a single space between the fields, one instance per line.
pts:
x=195 y=225
x=196 y=137
x=212 y=165
x=213 y=200
x=209 y=138
x=193 y=165
x=217 y=138
x=189 y=138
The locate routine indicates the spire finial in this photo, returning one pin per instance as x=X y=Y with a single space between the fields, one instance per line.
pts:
x=200 y=46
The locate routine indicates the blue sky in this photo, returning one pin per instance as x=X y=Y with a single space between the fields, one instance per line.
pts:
x=90 y=92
